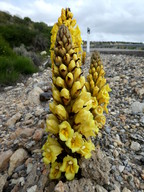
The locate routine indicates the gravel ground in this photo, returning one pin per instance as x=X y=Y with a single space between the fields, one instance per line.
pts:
x=120 y=144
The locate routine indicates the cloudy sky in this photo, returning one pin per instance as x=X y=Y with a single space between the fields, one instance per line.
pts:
x=109 y=20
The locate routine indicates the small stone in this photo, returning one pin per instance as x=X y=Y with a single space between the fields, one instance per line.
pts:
x=13 y=119
x=59 y=187
x=4 y=159
x=135 y=146
x=28 y=116
x=121 y=168
x=45 y=96
x=126 y=190
x=29 y=168
x=3 y=179
x=24 y=132
x=32 y=189
x=99 y=188
x=115 y=153
x=117 y=189
x=38 y=111
x=33 y=96
x=38 y=134
x=17 y=159
x=137 y=107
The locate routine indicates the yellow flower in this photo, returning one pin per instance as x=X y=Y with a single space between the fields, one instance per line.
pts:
x=55 y=172
x=61 y=113
x=76 y=89
x=75 y=142
x=70 y=167
x=52 y=124
x=101 y=119
x=85 y=124
x=51 y=150
x=98 y=110
x=65 y=131
x=86 y=149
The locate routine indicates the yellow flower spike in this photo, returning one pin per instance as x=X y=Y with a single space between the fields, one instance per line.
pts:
x=71 y=66
x=75 y=142
x=86 y=149
x=69 y=79
x=61 y=113
x=77 y=73
x=55 y=172
x=63 y=70
x=52 y=126
x=60 y=82
x=76 y=89
x=70 y=167
x=65 y=131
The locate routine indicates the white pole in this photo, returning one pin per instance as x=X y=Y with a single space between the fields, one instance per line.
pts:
x=88 y=40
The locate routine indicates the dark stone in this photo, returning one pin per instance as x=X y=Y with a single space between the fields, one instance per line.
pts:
x=45 y=96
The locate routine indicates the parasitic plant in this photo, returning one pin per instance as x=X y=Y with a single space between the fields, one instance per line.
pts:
x=74 y=109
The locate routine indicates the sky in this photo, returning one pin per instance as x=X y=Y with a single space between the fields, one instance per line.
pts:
x=108 y=20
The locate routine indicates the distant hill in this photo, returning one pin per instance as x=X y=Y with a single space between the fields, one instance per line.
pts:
x=16 y=31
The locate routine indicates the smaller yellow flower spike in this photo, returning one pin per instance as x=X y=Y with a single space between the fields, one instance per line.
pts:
x=55 y=172
x=65 y=131
x=70 y=167
x=75 y=142
x=86 y=149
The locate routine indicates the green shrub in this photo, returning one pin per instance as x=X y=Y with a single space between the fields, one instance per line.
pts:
x=12 y=66
x=5 y=49
x=24 y=65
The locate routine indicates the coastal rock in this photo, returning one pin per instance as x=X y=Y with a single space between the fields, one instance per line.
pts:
x=17 y=159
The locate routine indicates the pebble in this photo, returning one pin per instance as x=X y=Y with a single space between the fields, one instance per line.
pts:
x=16 y=159
x=135 y=146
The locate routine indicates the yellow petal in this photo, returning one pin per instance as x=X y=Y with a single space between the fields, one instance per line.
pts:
x=65 y=131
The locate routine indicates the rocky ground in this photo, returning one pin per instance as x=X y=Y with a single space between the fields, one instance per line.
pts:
x=118 y=163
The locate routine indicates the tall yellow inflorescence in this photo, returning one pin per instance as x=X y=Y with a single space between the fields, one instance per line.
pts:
x=73 y=120
x=66 y=19
x=97 y=86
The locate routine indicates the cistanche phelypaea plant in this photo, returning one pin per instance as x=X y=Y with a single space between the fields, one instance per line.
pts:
x=74 y=119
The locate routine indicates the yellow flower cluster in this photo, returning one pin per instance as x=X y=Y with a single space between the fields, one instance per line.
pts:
x=74 y=110
x=66 y=18
x=97 y=86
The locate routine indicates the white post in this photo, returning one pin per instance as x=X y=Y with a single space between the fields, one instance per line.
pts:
x=88 y=40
